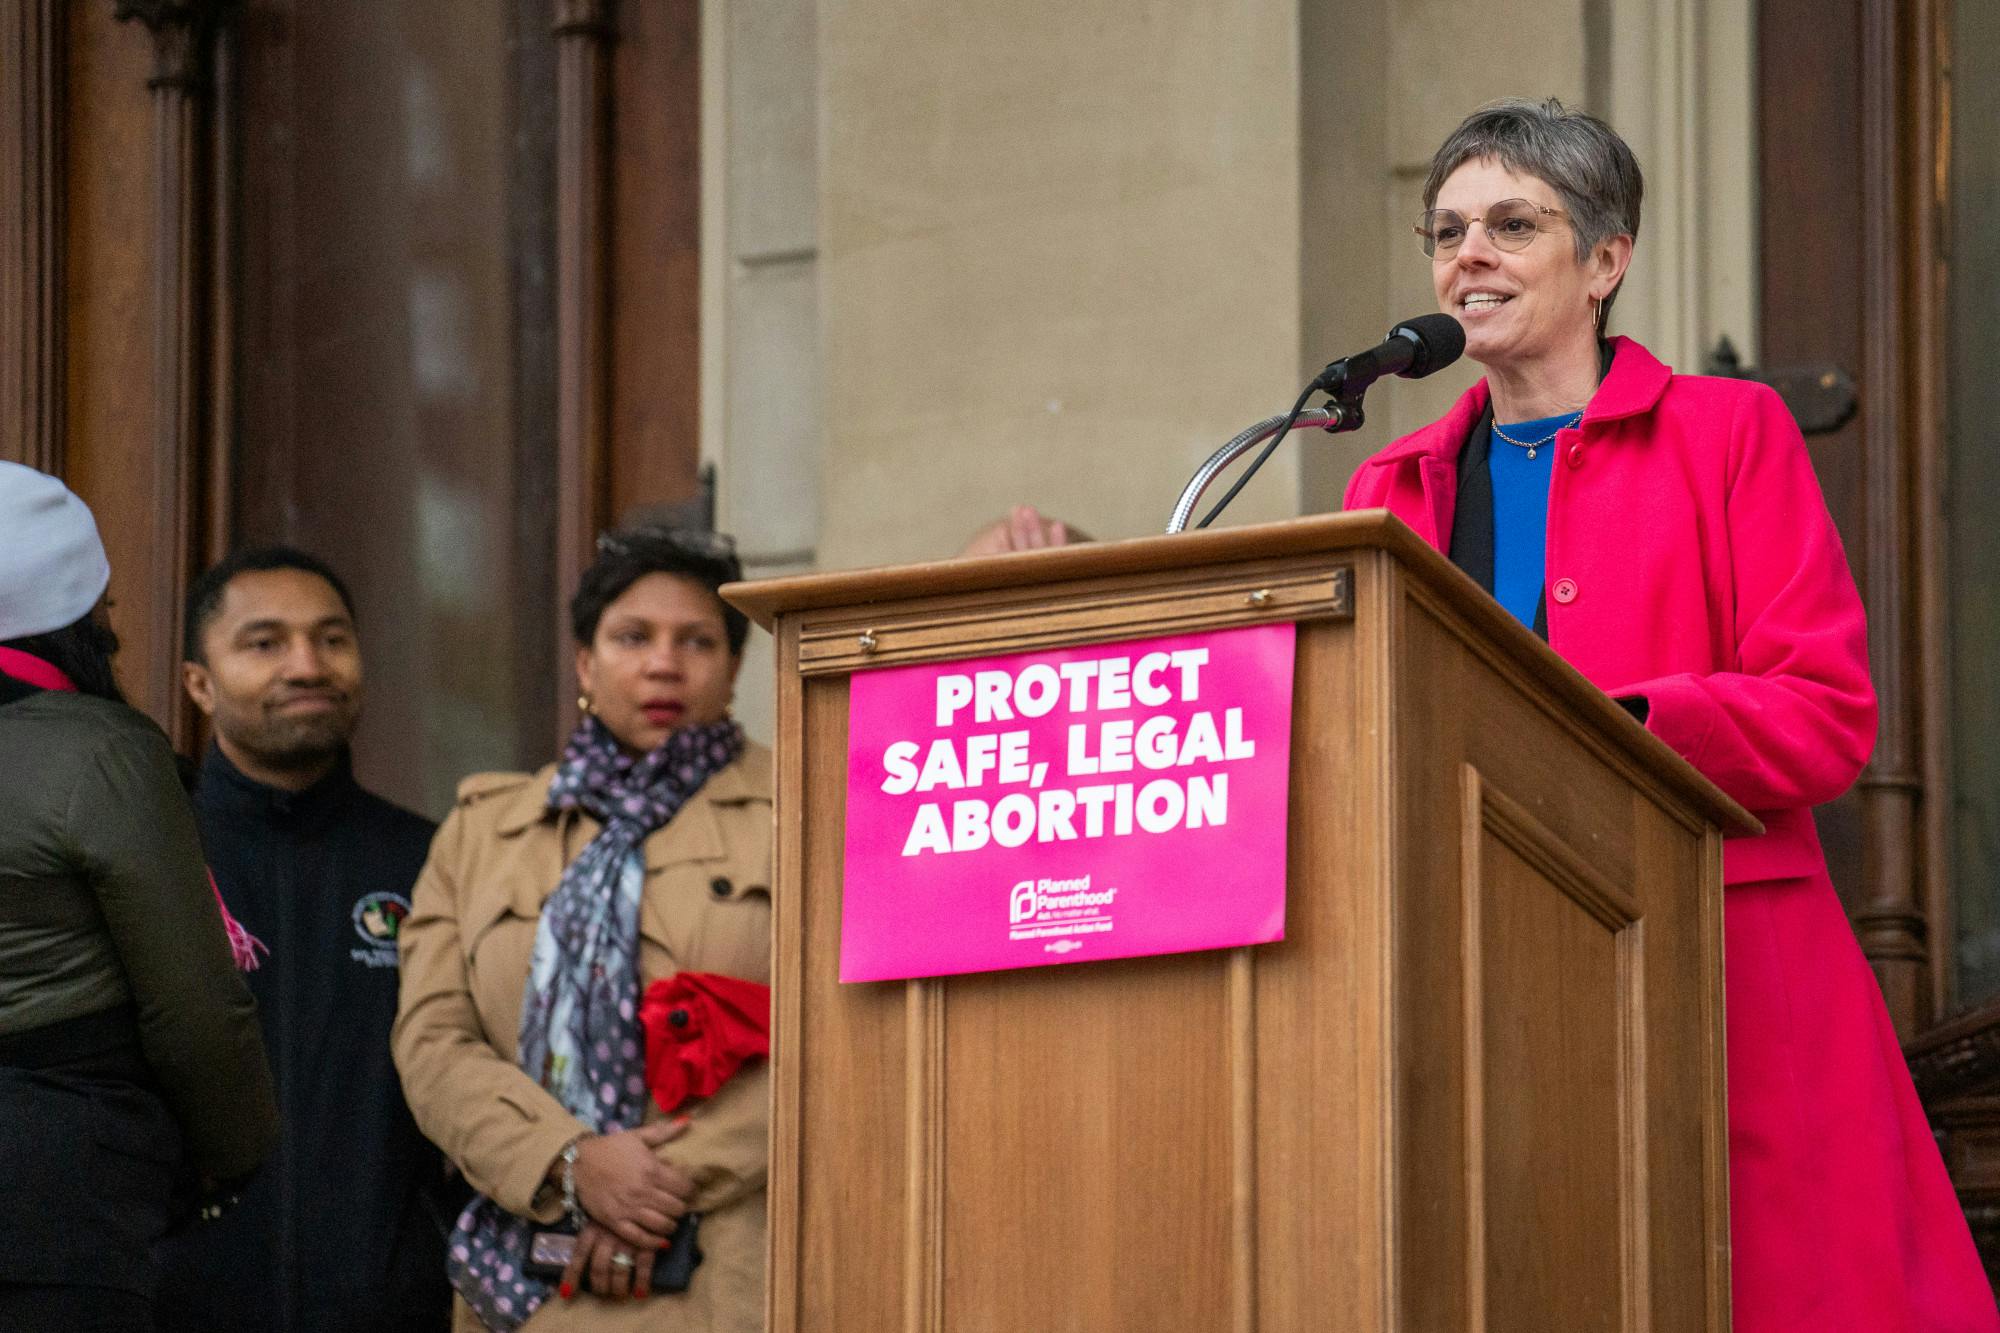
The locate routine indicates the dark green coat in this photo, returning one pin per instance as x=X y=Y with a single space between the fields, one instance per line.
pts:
x=104 y=903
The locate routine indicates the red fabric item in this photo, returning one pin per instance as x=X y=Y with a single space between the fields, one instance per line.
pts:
x=700 y=1029
x=33 y=670
x=1708 y=577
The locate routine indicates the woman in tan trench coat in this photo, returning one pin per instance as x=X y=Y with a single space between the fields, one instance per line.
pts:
x=548 y=903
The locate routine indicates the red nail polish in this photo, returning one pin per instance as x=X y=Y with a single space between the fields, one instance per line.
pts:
x=566 y=1290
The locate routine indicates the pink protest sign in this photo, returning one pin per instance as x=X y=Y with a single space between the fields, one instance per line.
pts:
x=1069 y=805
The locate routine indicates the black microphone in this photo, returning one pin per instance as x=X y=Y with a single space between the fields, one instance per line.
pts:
x=1415 y=348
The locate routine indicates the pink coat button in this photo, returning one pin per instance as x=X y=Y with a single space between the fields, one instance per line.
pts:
x=1565 y=591
x=1576 y=455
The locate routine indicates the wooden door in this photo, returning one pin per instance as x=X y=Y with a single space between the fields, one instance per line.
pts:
x=1847 y=209
x=1879 y=254
x=344 y=276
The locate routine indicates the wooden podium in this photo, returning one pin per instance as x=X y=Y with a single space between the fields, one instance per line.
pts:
x=1478 y=1086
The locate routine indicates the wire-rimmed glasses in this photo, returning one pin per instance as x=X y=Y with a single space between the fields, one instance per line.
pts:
x=1511 y=224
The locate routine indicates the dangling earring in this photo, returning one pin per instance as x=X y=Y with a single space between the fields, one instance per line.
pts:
x=1597 y=315
x=583 y=704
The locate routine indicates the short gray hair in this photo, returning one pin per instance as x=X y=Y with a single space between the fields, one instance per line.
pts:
x=1583 y=160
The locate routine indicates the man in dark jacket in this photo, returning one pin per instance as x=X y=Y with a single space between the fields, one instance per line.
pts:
x=343 y=1232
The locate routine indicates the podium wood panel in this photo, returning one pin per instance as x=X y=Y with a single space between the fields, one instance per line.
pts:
x=1478 y=1085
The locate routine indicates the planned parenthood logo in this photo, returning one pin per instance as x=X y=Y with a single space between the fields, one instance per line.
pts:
x=1058 y=910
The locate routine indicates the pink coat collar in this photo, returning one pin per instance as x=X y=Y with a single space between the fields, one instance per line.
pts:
x=1633 y=388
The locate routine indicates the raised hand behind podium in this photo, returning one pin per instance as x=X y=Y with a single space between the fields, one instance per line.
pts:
x=1022 y=528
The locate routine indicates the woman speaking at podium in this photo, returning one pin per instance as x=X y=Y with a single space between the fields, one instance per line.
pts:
x=1667 y=536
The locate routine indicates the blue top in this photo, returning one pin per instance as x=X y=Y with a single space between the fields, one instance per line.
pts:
x=1521 y=512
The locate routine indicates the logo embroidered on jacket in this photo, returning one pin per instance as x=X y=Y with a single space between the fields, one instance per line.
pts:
x=378 y=920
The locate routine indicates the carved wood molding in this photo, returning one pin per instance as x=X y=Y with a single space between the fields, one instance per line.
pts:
x=1928 y=138
x=583 y=31
x=1893 y=918
x=924 y=1062
x=938 y=631
x=1958 y=1057
x=1956 y=1067
x=31 y=233
x=183 y=33
x=583 y=18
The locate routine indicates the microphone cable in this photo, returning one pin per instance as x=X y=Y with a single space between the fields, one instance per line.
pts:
x=1243 y=479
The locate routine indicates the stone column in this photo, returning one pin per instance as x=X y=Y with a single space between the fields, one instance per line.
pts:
x=1060 y=261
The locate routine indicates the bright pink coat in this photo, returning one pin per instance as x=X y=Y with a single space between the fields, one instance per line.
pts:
x=1691 y=560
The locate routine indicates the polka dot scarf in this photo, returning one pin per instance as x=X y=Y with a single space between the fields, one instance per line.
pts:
x=580 y=1034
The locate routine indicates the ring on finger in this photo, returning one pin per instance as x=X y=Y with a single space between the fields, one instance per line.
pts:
x=621 y=1260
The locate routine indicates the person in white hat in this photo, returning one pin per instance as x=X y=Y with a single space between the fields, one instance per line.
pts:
x=130 y=1060
x=52 y=576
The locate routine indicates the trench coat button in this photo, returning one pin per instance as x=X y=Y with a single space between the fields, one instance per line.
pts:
x=1565 y=591
x=1576 y=455
x=721 y=887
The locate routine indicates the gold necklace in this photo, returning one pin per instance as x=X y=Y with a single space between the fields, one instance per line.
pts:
x=1532 y=445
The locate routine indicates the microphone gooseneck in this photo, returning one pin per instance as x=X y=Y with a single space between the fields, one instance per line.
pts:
x=1415 y=348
